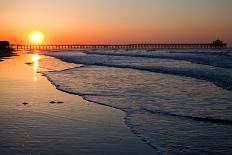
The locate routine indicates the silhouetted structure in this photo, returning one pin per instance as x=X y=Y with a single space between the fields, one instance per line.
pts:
x=214 y=44
x=4 y=45
x=218 y=44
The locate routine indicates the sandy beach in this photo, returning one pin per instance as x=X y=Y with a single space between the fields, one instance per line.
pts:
x=69 y=125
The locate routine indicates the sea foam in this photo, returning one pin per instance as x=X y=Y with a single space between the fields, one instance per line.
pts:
x=171 y=99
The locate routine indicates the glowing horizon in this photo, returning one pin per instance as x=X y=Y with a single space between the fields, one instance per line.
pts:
x=109 y=21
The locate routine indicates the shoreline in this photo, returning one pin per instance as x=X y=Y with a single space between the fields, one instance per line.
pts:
x=125 y=117
x=88 y=128
x=154 y=102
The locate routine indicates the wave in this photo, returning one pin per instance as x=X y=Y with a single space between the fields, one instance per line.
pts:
x=224 y=82
x=220 y=77
x=104 y=85
x=205 y=58
x=203 y=119
x=218 y=53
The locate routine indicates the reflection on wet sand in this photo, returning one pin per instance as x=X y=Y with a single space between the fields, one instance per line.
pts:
x=35 y=61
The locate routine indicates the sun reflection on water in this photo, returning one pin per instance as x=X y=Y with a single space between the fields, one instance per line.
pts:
x=35 y=60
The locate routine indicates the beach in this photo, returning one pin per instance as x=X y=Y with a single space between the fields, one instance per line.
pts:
x=36 y=118
x=114 y=77
x=116 y=102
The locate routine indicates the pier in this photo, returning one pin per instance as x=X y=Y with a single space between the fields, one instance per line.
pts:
x=213 y=45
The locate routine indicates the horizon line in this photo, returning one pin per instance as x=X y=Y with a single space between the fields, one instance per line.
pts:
x=135 y=43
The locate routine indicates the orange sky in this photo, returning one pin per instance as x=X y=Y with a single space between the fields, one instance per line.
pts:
x=117 y=21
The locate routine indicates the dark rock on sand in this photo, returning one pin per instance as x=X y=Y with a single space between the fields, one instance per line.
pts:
x=29 y=63
x=25 y=103
x=59 y=102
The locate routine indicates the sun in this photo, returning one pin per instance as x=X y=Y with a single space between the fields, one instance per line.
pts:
x=36 y=37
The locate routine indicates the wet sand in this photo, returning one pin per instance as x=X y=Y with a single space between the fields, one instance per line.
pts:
x=69 y=126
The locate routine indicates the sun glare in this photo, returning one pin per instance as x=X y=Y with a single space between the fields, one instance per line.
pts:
x=35 y=60
x=36 y=37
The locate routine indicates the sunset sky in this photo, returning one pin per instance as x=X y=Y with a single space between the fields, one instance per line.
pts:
x=117 y=21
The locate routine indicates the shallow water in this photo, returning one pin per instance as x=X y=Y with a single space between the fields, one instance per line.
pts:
x=178 y=102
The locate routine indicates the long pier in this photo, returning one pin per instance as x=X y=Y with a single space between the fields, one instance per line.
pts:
x=213 y=45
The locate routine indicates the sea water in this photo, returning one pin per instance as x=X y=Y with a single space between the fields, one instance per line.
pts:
x=176 y=101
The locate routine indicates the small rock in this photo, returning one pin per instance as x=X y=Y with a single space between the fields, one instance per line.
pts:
x=25 y=103
x=52 y=102
x=29 y=63
x=59 y=102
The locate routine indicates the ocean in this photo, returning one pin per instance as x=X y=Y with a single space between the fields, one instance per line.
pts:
x=175 y=101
